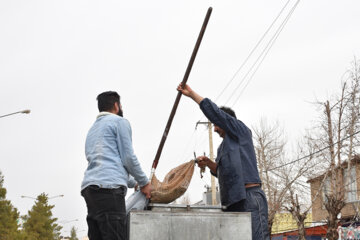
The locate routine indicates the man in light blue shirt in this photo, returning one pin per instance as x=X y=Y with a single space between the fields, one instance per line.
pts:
x=112 y=168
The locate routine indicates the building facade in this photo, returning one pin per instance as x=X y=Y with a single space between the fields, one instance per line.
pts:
x=284 y=222
x=350 y=185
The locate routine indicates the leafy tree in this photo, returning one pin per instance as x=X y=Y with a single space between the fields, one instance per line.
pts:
x=39 y=223
x=73 y=234
x=8 y=216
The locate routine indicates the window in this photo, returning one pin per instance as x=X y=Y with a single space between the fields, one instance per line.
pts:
x=350 y=185
x=326 y=190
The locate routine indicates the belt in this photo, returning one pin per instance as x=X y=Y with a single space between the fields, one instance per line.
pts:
x=250 y=185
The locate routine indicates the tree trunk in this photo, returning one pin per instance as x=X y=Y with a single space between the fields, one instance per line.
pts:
x=302 y=232
x=333 y=207
x=271 y=218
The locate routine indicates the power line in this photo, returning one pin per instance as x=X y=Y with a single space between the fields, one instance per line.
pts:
x=264 y=54
x=187 y=145
x=198 y=142
x=266 y=50
x=253 y=50
x=311 y=154
x=261 y=56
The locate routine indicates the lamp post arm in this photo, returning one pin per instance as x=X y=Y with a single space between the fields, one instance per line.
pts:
x=27 y=111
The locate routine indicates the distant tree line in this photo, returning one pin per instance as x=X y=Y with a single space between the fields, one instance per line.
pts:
x=38 y=224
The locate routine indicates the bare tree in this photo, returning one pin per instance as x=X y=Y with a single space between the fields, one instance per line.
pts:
x=328 y=146
x=294 y=174
x=283 y=179
x=339 y=124
x=298 y=214
x=300 y=169
x=269 y=147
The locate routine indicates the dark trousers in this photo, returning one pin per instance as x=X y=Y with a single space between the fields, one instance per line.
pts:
x=255 y=203
x=106 y=217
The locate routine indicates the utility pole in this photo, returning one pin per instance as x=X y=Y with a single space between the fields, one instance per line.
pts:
x=213 y=187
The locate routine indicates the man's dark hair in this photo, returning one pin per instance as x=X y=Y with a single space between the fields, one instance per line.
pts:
x=228 y=111
x=106 y=100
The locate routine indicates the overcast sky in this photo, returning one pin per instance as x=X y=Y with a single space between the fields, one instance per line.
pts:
x=57 y=56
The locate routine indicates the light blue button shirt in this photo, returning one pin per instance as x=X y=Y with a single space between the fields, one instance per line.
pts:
x=110 y=154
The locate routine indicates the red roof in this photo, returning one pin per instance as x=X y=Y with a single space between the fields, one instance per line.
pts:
x=310 y=231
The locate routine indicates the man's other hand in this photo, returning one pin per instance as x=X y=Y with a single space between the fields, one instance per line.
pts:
x=202 y=161
x=146 y=190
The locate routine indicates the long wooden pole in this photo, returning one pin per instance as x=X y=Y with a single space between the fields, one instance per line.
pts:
x=177 y=100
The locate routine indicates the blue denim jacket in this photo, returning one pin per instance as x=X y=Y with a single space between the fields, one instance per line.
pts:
x=236 y=159
x=110 y=154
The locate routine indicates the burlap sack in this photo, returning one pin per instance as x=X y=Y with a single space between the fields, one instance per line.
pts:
x=174 y=185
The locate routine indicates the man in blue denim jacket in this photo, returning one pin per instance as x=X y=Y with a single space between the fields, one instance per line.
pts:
x=112 y=168
x=235 y=165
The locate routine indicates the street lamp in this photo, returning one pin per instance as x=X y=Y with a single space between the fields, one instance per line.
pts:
x=68 y=221
x=27 y=111
x=62 y=195
x=77 y=231
x=27 y=197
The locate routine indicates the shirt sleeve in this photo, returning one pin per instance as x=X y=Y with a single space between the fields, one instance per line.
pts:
x=128 y=157
x=228 y=123
x=131 y=182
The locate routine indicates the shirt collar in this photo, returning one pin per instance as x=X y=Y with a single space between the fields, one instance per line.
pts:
x=104 y=114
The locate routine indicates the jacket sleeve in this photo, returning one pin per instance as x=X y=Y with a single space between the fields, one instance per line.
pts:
x=232 y=126
x=214 y=174
x=128 y=157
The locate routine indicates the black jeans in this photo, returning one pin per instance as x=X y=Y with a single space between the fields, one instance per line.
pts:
x=255 y=203
x=106 y=217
